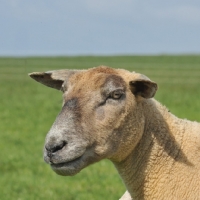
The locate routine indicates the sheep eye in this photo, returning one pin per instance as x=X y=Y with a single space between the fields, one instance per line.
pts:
x=116 y=94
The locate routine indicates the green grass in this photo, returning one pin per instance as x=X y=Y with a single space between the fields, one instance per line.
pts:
x=27 y=110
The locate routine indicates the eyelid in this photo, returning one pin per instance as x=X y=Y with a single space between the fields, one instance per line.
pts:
x=119 y=92
x=110 y=97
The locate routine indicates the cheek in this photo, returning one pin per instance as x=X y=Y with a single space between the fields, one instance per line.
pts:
x=100 y=114
x=109 y=117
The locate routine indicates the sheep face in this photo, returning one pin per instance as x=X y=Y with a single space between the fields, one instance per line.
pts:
x=100 y=117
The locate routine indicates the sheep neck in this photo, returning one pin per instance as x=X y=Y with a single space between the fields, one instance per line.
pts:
x=156 y=152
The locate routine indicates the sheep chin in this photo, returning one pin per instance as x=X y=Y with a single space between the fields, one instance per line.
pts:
x=64 y=172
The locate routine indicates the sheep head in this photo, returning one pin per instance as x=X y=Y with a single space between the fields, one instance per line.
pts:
x=100 y=117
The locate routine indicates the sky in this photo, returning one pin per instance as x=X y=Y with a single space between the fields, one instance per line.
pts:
x=99 y=27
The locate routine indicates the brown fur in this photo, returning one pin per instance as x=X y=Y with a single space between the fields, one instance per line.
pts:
x=109 y=113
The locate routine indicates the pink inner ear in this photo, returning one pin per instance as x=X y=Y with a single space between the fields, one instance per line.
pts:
x=143 y=88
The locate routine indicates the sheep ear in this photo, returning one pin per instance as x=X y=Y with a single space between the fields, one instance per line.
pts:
x=143 y=88
x=53 y=79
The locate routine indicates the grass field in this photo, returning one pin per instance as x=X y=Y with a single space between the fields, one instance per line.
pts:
x=27 y=110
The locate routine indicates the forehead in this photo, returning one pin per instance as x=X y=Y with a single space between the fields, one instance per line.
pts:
x=96 y=78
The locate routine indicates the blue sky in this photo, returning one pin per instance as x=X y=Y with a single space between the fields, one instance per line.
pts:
x=82 y=27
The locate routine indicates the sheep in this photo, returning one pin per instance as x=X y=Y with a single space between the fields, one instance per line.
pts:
x=111 y=114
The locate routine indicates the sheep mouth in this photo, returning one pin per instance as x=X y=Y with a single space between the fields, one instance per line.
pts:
x=65 y=164
x=68 y=168
x=74 y=165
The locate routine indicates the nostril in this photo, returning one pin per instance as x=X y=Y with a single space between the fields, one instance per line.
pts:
x=53 y=148
x=58 y=147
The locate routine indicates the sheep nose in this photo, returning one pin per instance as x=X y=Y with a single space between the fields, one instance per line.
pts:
x=52 y=148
